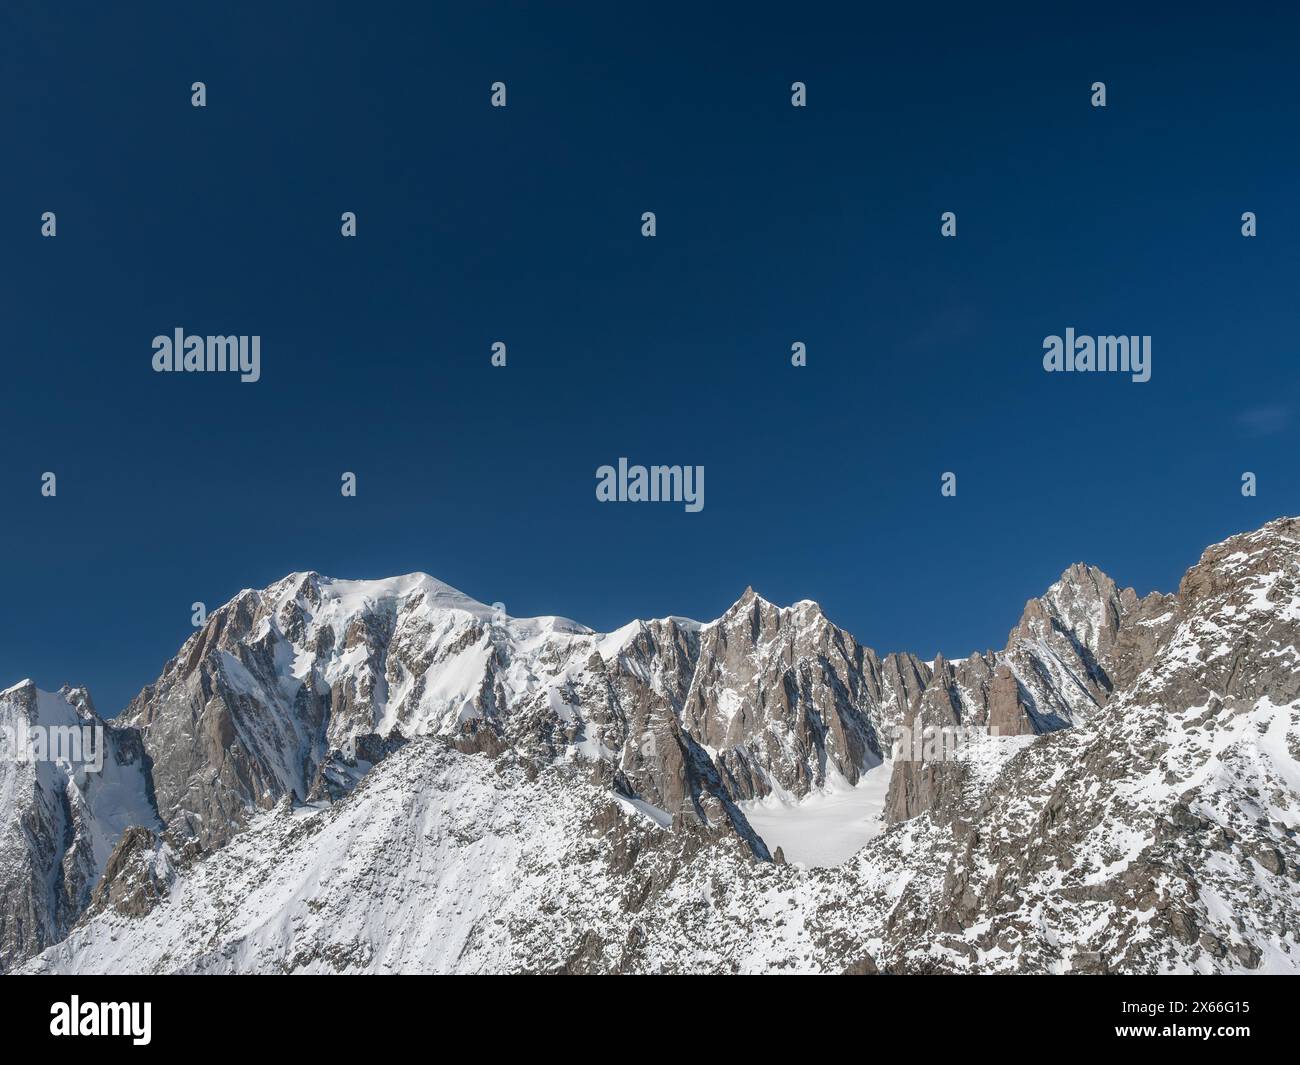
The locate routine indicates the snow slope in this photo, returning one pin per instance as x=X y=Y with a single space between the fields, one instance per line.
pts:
x=825 y=827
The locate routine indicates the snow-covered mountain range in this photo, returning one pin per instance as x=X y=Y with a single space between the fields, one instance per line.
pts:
x=389 y=776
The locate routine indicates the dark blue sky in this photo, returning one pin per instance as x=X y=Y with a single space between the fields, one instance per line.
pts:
x=523 y=225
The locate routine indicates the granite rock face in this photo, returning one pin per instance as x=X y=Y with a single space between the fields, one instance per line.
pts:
x=1162 y=834
x=138 y=875
x=267 y=699
x=1055 y=670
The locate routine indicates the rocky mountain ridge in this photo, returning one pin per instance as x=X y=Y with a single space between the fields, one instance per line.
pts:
x=640 y=748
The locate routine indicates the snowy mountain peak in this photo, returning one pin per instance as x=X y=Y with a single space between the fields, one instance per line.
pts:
x=1083 y=600
x=313 y=589
x=26 y=682
x=754 y=608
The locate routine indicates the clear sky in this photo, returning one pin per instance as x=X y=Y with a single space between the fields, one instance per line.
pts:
x=523 y=225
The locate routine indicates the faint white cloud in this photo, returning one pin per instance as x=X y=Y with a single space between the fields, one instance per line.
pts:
x=948 y=325
x=1265 y=421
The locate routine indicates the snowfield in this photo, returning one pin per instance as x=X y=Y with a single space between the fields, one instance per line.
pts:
x=827 y=827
